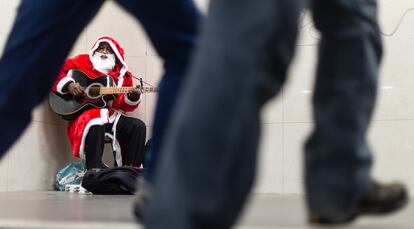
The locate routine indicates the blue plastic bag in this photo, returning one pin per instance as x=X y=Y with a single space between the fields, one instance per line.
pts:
x=70 y=174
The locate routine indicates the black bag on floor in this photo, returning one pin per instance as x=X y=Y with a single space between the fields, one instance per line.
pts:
x=111 y=181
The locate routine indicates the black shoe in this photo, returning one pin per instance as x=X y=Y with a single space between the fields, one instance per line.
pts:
x=380 y=199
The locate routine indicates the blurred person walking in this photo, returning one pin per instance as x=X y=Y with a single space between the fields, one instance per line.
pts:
x=209 y=153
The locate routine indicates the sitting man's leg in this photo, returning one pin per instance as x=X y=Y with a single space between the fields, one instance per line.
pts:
x=94 y=144
x=131 y=133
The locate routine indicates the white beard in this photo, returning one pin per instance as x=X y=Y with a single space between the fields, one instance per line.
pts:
x=103 y=65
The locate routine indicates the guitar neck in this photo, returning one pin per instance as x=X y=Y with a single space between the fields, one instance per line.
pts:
x=121 y=90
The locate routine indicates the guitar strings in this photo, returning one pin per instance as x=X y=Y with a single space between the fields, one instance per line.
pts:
x=143 y=81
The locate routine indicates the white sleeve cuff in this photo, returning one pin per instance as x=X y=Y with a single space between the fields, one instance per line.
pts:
x=130 y=102
x=62 y=83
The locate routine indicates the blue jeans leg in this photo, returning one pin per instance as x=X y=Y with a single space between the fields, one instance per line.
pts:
x=42 y=36
x=337 y=157
x=209 y=154
x=172 y=27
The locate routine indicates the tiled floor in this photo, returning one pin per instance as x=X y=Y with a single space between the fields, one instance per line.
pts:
x=77 y=211
x=65 y=210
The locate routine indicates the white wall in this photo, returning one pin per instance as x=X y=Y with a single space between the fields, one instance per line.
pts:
x=286 y=120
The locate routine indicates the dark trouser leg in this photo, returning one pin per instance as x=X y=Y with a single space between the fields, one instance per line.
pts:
x=209 y=152
x=338 y=158
x=41 y=38
x=94 y=144
x=131 y=133
x=172 y=30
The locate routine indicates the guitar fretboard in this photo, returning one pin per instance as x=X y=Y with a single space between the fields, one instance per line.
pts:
x=120 y=90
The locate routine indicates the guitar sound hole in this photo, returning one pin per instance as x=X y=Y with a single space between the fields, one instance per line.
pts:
x=94 y=91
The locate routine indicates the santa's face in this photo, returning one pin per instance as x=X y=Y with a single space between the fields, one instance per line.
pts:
x=103 y=58
x=104 y=48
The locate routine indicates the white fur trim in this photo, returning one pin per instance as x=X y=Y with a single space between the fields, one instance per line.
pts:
x=130 y=102
x=96 y=121
x=120 y=81
x=124 y=68
x=113 y=116
x=115 y=146
x=62 y=83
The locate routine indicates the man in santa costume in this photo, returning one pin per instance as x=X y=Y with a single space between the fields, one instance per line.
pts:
x=87 y=133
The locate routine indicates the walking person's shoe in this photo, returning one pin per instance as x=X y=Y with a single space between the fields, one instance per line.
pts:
x=380 y=199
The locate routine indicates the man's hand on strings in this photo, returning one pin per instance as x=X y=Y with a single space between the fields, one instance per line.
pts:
x=76 y=90
x=134 y=96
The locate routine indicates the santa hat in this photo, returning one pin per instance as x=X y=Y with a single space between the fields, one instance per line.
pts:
x=118 y=50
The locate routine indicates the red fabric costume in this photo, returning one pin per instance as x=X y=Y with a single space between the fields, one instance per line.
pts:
x=78 y=129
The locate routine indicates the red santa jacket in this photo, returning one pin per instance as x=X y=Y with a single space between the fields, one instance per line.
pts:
x=77 y=130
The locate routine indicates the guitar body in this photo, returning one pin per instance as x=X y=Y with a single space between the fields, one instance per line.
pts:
x=69 y=108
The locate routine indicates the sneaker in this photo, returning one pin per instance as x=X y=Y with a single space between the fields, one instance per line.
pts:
x=380 y=199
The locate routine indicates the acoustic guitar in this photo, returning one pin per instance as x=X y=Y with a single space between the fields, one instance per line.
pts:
x=98 y=92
